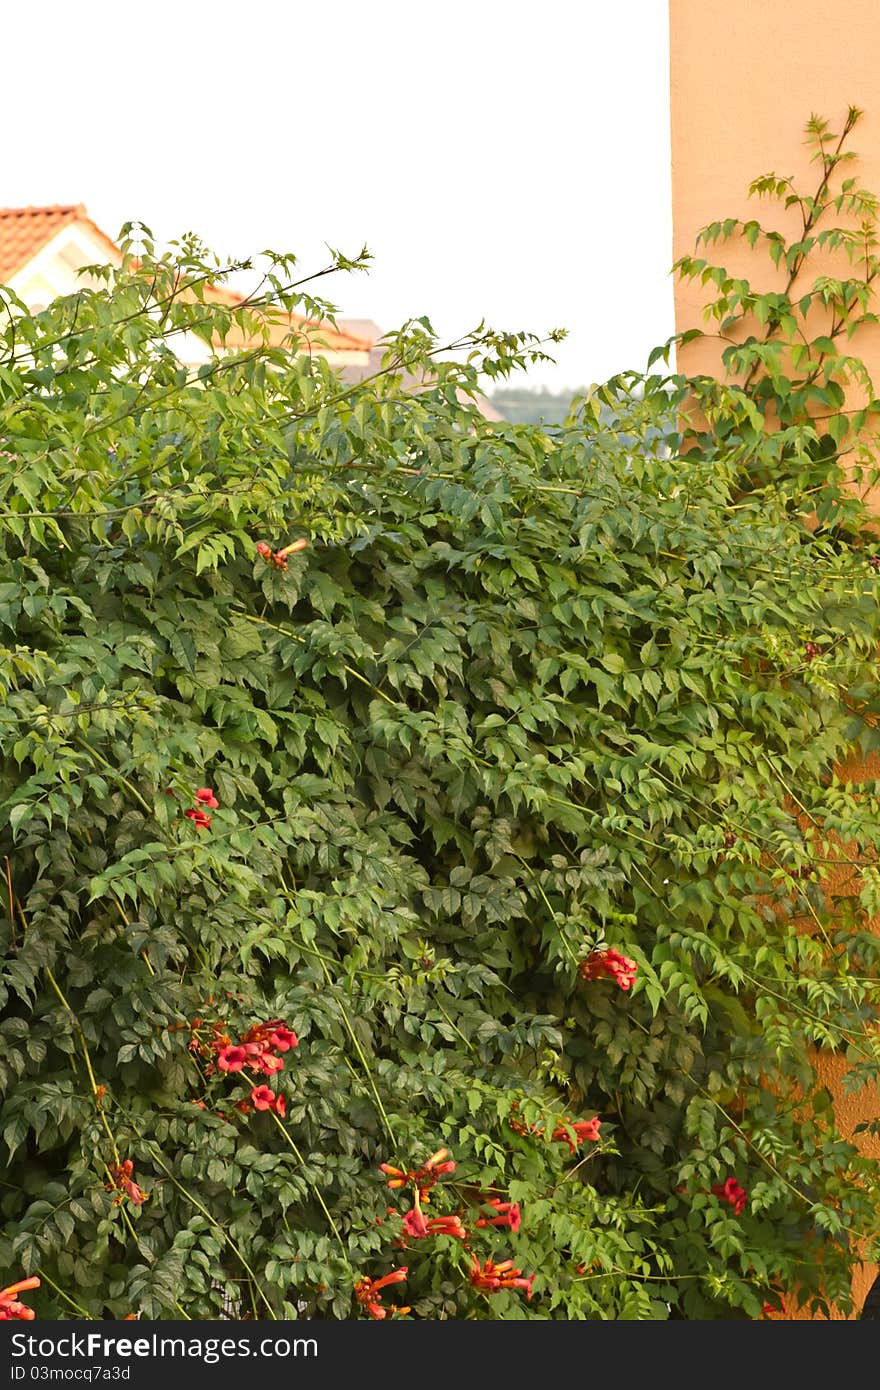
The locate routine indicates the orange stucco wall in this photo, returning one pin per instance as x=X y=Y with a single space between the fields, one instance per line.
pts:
x=744 y=79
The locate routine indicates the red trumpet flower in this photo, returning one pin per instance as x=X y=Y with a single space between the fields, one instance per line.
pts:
x=368 y=1291
x=423 y=1178
x=492 y=1278
x=504 y=1214
x=270 y=1064
x=611 y=963
x=730 y=1191
x=583 y=1129
x=398 y=1176
x=231 y=1058
x=278 y=558
x=122 y=1183
x=419 y=1228
x=262 y=1098
x=10 y=1307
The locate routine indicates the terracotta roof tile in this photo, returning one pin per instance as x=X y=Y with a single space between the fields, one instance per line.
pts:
x=318 y=336
x=25 y=231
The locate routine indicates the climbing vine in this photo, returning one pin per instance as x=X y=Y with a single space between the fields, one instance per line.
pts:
x=429 y=872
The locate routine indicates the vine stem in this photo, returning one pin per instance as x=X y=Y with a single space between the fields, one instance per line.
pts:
x=530 y=871
x=317 y=1191
x=102 y=761
x=295 y=637
x=88 y=1061
x=363 y=1061
x=11 y=904
x=255 y=1283
x=66 y=1296
x=120 y=909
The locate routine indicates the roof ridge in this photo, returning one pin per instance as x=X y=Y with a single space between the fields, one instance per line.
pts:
x=43 y=208
x=24 y=231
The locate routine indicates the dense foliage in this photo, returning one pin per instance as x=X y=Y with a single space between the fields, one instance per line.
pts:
x=523 y=699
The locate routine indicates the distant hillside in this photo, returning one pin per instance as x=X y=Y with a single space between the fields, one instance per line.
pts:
x=536 y=405
x=533 y=405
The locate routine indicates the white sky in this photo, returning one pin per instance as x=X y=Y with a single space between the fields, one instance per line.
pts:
x=502 y=160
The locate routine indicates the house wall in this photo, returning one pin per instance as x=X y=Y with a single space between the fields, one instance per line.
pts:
x=54 y=271
x=744 y=80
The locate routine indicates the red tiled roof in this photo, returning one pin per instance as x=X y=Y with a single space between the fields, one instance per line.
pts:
x=315 y=336
x=25 y=231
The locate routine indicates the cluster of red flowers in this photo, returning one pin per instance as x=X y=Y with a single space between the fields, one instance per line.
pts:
x=278 y=558
x=488 y=1278
x=611 y=963
x=421 y=1179
x=492 y=1278
x=498 y=1213
x=197 y=814
x=122 y=1183
x=730 y=1191
x=417 y=1226
x=10 y=1307
x=582 y=1130
x=368 y=1294
x=257 y=1051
